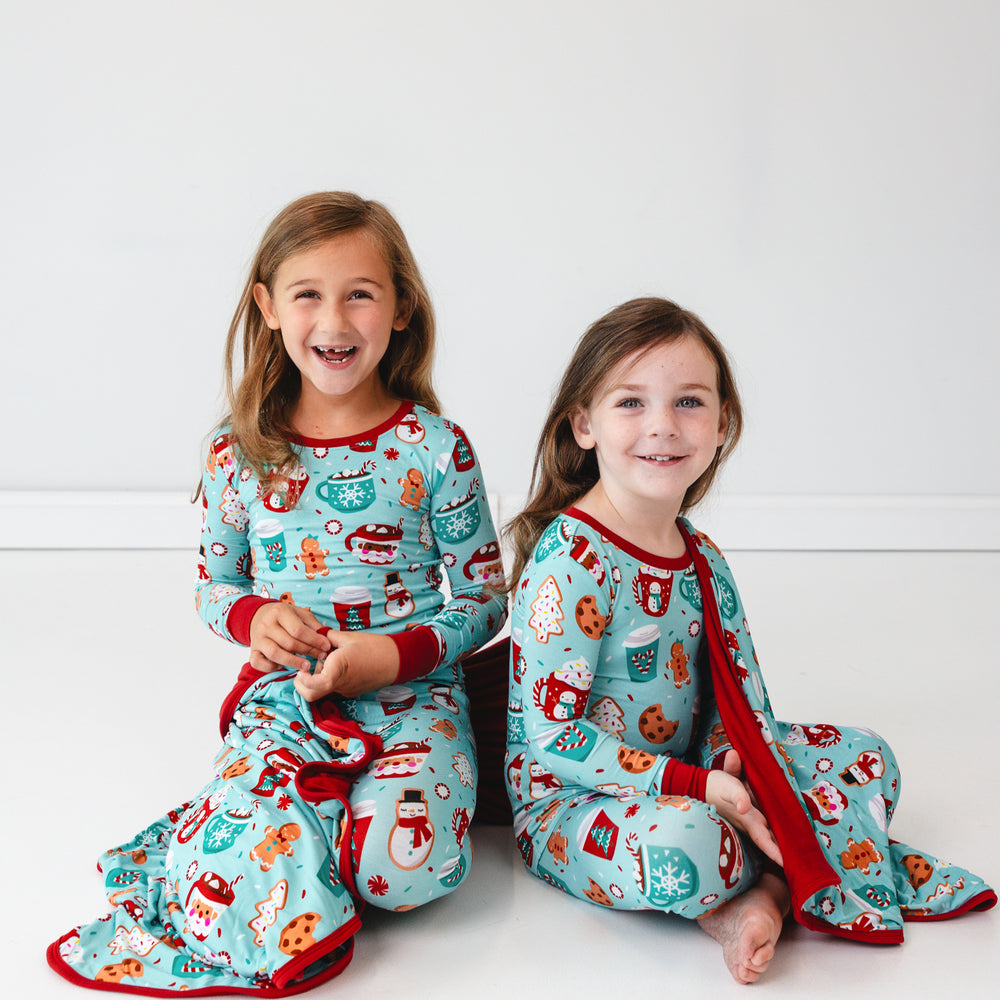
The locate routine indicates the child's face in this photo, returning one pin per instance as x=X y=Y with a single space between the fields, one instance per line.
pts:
x=336 y=308
x=655 y=424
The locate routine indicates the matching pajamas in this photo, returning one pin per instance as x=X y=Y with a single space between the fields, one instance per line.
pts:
x=253 y=885
x=631 y=676
x=611 y=726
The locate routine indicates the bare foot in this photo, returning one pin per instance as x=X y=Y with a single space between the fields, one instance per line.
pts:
x=748 y=927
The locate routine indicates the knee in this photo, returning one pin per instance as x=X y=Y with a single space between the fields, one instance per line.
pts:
x=876 y=770
x=416 y=849
x=870 y=759
x=399 y=890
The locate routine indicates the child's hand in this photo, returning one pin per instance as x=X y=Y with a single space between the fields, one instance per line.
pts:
x=733 y=802
x=282 y=634
x=360 y=662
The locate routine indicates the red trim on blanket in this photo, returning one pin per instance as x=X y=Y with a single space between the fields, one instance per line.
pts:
x=225 y=986
x=248 y=676
x=319 y=781
x=984 y=900
x=814 y=923
x=806 y=867
x=284 y=977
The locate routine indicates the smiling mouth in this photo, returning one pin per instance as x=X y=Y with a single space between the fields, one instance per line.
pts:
x=662 y=459
x=335 y=355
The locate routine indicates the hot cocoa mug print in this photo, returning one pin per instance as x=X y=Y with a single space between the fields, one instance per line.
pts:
x=375 y=544
x=350 y=490
x=457 y=520
x=283 y=491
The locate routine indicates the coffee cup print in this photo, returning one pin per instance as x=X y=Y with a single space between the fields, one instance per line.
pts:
x=453 y=871
x=641 y=646
x=353 y=607
x=272 y=538
x=350 y=490
x=365 y=444
x=518 y=660
x=396 y=698
x=364 y=813
x=458 y=520
x=375 y=544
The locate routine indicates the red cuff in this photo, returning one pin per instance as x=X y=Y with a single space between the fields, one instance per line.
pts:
x=419 y=652
x=684 y=779
x=240 y=614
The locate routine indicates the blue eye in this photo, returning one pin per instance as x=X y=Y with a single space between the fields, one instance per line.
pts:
x=629 y=403
x=689 y=403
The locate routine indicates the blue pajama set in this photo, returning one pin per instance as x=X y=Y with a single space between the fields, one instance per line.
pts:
x=312 y=808
x=631 y=676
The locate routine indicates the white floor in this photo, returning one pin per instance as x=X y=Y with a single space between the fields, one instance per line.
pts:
x=113 y=687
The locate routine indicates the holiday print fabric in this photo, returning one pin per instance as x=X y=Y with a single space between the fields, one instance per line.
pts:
x=599 y=654
x=607 y=692
x=253 y=885
x=375 y=519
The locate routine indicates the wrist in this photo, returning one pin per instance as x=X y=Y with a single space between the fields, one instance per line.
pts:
x=419 y=651
x=241 y=617
x=685 y=779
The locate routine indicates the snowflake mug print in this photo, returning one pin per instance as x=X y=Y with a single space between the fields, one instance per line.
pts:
x=668 y=875
x=459 y=519
x=349 y=490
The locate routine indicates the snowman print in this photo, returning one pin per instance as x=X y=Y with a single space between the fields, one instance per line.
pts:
x=412 y=836
x=410 y=430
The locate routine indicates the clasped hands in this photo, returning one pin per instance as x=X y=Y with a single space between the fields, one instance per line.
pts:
x=350 y=663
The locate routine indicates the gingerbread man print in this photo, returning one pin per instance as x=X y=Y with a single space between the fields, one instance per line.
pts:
x=313 y=559
x=413 y=488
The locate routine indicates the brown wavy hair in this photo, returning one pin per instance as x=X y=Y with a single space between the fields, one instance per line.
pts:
x=563 y=471
x=261 y=398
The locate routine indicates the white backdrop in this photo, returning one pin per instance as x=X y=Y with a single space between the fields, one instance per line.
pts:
x=818 y=180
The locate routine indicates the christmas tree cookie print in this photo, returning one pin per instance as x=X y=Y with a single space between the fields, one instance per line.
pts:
x=546 y=610
x=608 y=715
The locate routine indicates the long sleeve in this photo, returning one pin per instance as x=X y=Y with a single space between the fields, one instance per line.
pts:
x=357 y=531
x=463 y=531
x=225 y=576
x=563 y=606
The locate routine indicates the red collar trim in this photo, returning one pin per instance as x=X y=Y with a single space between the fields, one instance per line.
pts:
x=387 y=424
x=661 y=562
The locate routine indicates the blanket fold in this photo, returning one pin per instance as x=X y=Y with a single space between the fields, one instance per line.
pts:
x=246 y=889
x=828 y=792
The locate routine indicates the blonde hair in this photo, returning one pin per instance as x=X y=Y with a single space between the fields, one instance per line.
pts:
x=563 y=471
x=261 y=400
